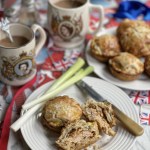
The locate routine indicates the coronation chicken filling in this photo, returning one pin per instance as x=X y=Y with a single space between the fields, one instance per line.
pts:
x=78 y=134
x=102 y=113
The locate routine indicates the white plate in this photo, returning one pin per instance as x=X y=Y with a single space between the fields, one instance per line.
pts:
x=101 y=69
x=39 y=138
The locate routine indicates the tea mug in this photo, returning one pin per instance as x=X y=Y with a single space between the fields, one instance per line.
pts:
x=68 y=26
x=17 y=64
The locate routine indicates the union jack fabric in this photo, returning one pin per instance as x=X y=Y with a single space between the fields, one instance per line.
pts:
x=145 y=118
x=140 y=97
x=62 y=65
x=145 y=114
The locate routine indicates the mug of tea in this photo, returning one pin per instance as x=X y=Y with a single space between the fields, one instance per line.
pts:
x=17 y=58
x=68 y=21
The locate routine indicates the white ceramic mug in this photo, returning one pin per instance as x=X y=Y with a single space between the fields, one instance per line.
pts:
x=17 y=65
x=68 y=26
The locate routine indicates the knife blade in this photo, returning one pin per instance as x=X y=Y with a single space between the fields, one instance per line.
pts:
x=133 y=127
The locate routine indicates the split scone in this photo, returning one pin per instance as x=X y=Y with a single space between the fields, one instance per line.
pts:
x=102 y=113
x=78 y=135
x=59 y=111
x=147 y=65
x=134 y=37
x=126 y=67
x=104 y=47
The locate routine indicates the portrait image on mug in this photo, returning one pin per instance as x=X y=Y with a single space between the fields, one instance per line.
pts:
x=69 y=21
x=17 y=58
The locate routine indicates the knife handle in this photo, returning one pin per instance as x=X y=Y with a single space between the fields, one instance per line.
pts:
x=128 y=123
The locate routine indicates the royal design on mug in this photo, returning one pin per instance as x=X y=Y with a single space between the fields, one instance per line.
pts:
x=20 y=67
x=67 y=27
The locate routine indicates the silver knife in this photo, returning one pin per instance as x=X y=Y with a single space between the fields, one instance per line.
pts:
x=126 y=121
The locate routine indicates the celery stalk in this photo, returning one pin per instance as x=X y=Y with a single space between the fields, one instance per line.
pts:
x=79 y=72
x=72 y=70
x=65 y=85
x=23 y=119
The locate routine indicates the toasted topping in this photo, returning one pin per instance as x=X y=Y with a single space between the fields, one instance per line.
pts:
x=106 y=45
x=134 y=37
x=61 y=110
x=127 y=63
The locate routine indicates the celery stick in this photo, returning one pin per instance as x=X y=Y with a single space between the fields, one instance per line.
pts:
x=72 y=70
x=65 y=85
x=79 y=72
x=23 y=119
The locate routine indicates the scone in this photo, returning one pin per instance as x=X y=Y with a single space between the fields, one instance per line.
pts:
x=104 y=47
x=102 y=113
x=134 y=37
x=59 y=111
x=147 y=65
x=126 y=66
x=78 y=135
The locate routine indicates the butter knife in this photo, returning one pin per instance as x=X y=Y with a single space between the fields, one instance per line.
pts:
x=133 y=127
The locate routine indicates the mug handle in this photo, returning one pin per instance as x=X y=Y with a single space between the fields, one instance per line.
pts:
x=42 y=38
x=101 y=17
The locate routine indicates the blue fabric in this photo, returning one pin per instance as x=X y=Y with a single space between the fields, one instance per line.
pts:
x=132 y=10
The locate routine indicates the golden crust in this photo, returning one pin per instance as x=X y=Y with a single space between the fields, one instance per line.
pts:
x=122 y=76
x=78 y=135
x=134 y=37
x=126 y=23
x=104 y=47
x=47 y=125
x=147 y=65
x=59 y=111
x=126 y=66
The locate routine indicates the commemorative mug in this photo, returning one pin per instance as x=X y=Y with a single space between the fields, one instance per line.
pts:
x=69 y=21
x=17 y=59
